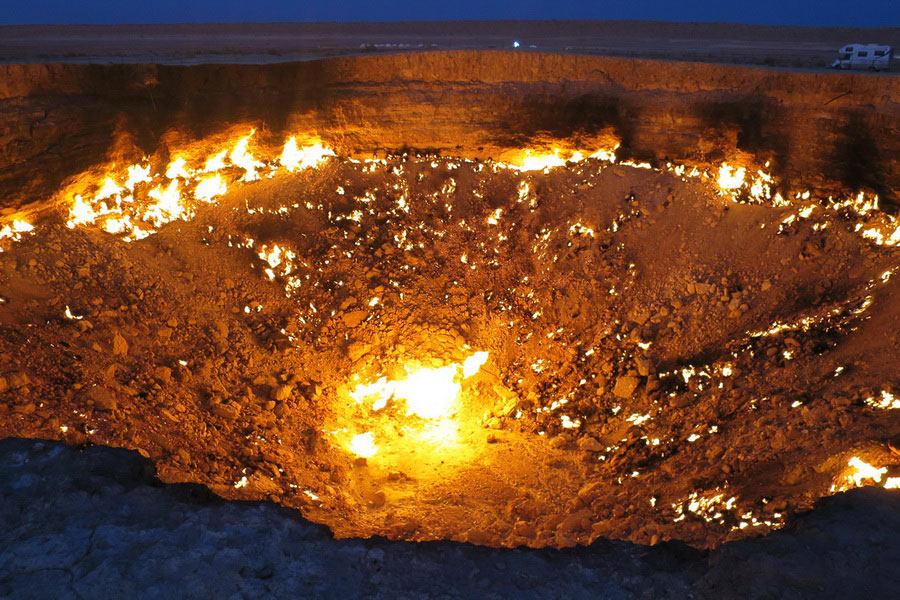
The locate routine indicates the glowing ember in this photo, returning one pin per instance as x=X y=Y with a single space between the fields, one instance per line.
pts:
x=730 y=178
x=364 y=445
x=472 y=364
x=530 y=161
x=209 y=188
x=169 y=199
x=886 y=401
x=80 y=213
x=865 y=471
x=242 y=158
x=541 y=161
x=15 y=229
x=168 y=204
x=137 y=174
x=117 y=225
x=294 y=158
x=176 y=169
x=609 y=155
x=69 y=314
x=428 y=393
x=21 y=227
x=108 y=190
x=216 y=163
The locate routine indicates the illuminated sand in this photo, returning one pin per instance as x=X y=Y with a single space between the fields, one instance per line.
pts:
x=591 y=350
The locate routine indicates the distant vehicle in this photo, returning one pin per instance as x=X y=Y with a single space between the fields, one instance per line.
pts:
x=864 y=56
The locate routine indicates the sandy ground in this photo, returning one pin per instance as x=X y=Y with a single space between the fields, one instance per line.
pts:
x=94 y=524
x=789 y=47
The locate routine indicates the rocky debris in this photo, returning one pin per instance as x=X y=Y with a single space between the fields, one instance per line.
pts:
x=357 y=350
x=626 y=386
x=101 y=398
x=354 y=318
x=643 y=366
x=163 y=375
x=227 y=410
x=17 y=379
x=282 y=392
x=119 y=345
x=590 y=444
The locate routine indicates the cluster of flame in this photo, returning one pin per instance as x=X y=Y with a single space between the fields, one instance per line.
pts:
x=15 y=230
x=735 y=182
x=862 y=471
x=135 y=204
x=138 y=204
x=717 y=506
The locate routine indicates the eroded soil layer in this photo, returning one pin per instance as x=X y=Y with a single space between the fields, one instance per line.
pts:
x=663 y=363
x=835 y=132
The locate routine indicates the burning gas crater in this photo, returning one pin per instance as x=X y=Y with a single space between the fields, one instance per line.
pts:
x=546 y=350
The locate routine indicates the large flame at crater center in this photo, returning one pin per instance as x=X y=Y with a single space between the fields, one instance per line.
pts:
x=428 y=393
x=432 y=394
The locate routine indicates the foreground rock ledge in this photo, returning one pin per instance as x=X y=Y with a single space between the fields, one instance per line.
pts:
x=95 y=523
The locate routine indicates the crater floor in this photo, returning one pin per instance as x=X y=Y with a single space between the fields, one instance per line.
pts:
x=662 y=362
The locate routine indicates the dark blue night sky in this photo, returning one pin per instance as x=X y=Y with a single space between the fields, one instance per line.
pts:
x=869 y=13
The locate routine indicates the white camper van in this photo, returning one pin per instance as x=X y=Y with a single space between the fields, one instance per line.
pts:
x=864 y=56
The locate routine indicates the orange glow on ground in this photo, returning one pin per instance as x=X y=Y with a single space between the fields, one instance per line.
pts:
x=363 y=445
x=421 y=408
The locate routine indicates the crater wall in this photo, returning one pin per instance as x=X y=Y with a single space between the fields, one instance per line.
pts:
x=836 y=132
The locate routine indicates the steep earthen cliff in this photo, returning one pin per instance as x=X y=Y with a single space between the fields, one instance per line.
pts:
x=837 y=132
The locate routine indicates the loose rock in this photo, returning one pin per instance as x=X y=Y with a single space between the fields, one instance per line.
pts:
x=625 y=386
x=18 y=379
x=354 y=318
x=101 y=397
x=119 y=345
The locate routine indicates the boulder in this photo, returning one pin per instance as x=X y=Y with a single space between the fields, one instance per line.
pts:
x=163 y=375
x=282 y=392
x=357 y=350
x=119 y=345
x=354 y=317
x=625 y=386
x=101 y=397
